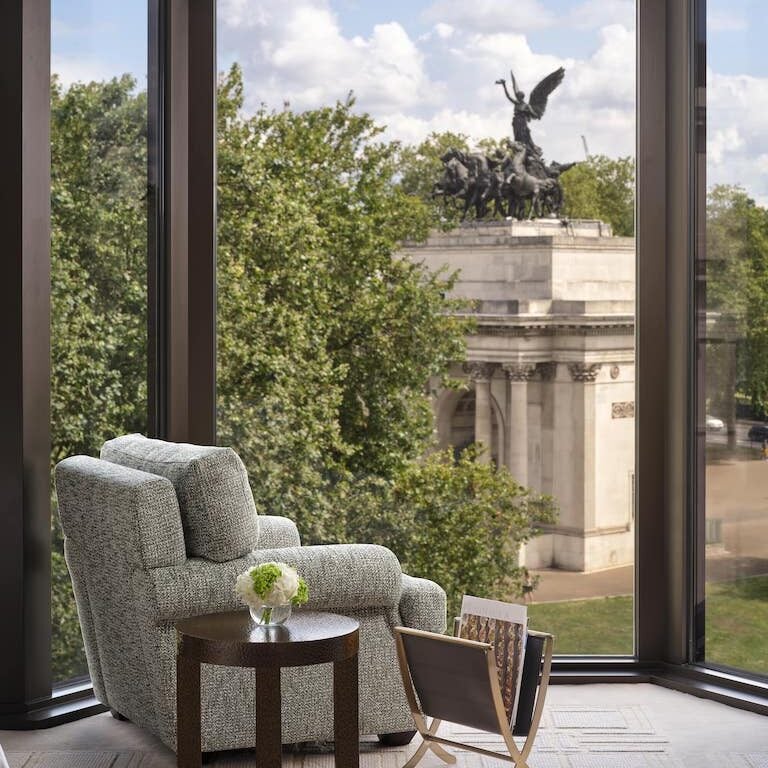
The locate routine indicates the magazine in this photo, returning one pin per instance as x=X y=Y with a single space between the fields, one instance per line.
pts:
x=504 y=626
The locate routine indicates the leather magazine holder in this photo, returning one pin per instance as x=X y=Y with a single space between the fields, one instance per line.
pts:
x=454 y=679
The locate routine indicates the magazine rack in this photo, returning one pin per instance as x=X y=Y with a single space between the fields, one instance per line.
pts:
x=453 y=679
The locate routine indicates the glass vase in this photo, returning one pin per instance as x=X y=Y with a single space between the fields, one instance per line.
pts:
x=270 y=615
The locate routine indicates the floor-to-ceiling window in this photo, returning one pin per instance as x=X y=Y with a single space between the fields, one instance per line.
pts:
x=392 y=369
x=99 y=236
x=732 y=336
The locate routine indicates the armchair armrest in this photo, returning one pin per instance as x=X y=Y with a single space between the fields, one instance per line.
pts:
x=116 y=513
x=423 y=604
x=276 y=532
x=339 y=576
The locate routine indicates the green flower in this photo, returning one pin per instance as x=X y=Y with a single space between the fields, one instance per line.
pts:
x=302 y=593
x=264 y=578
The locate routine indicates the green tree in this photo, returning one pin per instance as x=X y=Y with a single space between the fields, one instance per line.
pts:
x=421 y=168
x=326 y=336
x=98 y=294
x=602 y=188
x=737 y=305
x=460 y=523
x=98 y=263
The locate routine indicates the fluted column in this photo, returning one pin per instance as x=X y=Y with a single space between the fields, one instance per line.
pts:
x=516 y=434
x=481 y=373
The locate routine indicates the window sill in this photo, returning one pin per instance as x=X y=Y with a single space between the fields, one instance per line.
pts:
x=68 y=703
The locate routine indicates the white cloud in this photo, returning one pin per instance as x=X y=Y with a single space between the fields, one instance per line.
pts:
x=444 y=80
x=593 y=14
x=737 y=132
x=596 y=98
x=242 y=14
x=608 y=76
x=490 y=15
x=722 y=142
x=495 y=16
x=297 y=52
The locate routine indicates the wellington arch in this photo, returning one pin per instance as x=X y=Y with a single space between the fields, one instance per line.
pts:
x=549 y=374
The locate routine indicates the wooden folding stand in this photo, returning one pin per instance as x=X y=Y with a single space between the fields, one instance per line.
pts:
x=453 y=679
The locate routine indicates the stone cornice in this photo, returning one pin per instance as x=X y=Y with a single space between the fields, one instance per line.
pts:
x=554 y=328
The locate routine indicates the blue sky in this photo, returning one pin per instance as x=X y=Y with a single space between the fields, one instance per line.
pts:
x=422 y=65
x=105 y=38
x=115 y=32
x=736 y=37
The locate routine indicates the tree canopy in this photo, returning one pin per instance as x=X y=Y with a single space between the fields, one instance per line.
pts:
x=737 y=310
x=602 y=188
x=98 y=295
x=327 y=336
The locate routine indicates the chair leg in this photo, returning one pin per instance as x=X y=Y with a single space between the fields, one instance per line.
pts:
x=399 y=739
x=426 y=731
x=442 y=753
x=417 y=755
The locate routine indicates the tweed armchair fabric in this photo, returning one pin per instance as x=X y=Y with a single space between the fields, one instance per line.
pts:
x=114 y=511
x=422 y=604
x=275 y=532
x=124 y=546
x=217 y=508
x=339 y=577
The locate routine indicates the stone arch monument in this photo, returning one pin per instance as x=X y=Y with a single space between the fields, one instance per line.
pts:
x=550 y=374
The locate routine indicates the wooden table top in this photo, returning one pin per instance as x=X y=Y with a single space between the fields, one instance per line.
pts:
x=233 y=639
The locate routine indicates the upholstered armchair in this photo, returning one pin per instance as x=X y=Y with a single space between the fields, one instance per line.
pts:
x=155 y=532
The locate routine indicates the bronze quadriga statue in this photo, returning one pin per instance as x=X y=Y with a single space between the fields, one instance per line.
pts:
x=513 y=181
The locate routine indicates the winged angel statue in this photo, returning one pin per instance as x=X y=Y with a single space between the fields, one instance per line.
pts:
x=512 y=181
x=534 y=109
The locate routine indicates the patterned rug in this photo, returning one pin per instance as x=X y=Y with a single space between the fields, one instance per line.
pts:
x=570 y=737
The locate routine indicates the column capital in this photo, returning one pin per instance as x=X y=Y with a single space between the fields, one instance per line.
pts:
x=519 y=371
x=584 y=371
x=478 y=370
x=547 y=370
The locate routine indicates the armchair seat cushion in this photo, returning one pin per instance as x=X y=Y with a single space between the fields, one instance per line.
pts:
x=341 y=577
x=218 y=513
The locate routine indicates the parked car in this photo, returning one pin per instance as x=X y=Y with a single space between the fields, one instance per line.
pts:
x=714 y=424
x=758 y=433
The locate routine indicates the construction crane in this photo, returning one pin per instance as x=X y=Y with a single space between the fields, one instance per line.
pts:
x=586 y=148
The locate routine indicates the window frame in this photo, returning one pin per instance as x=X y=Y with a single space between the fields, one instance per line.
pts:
x=182 y=329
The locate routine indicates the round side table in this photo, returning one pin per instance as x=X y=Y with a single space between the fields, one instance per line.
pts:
x=231 y=639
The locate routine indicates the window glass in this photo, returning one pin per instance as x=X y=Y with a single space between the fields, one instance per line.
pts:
x=98 y=254
x=732 y=337
x=403 y=357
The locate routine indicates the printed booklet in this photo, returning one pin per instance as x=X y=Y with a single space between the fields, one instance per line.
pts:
x=503 y=625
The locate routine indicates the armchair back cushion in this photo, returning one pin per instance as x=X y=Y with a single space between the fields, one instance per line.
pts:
x=217 y=508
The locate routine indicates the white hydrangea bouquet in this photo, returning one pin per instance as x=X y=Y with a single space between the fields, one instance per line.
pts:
x=270 y=590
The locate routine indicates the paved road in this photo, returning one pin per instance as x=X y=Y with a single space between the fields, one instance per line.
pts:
x=742 y=428
x=736 y=494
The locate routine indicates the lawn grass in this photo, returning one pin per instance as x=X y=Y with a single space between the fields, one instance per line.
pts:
x=736 y=624
x=599 y=626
